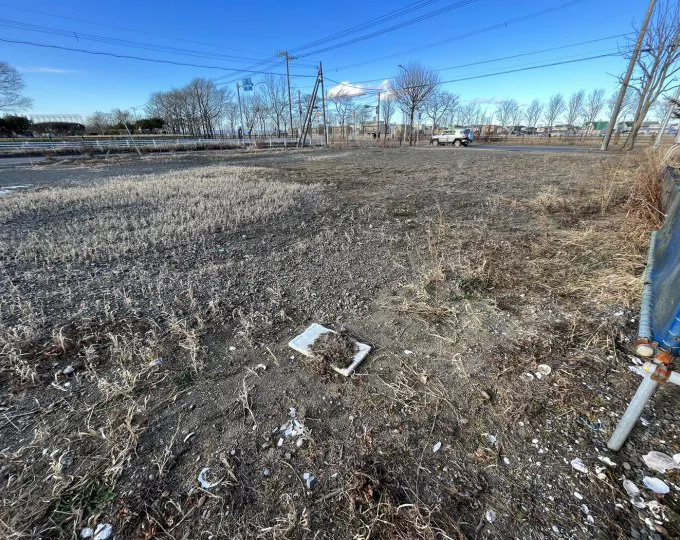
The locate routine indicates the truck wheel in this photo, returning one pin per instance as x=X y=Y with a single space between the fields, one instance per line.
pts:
x=456 y=142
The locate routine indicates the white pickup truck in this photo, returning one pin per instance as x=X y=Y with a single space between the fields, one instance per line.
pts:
x=456 y=137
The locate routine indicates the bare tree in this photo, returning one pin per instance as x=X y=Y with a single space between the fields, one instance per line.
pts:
x=100 y=121
x=438 y=105
x=276 y=97
x=506 y=112
x=575 y=107
x=363 y=115
x=594 y=104
x=11 y=88
x=468 y=114
x=518 y=116
x=534 y=112
x=553 y=110
x=387 y=110
x=342 y=102
x=657 y=64
x=411 y=87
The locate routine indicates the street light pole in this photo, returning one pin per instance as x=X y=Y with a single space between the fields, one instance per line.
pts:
x=240 y=110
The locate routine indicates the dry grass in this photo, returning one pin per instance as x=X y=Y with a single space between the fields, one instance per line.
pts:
x=178 y=343
x=70 y=296
x=645 y=199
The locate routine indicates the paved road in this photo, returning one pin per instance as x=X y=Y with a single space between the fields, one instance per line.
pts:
x=532 y=148
x=9 y=162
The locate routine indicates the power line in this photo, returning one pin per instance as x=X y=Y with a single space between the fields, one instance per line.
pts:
x=136 y=31
x=377 y=20
x=501 y=58
x=144 y=59
x=486 y=75
x=18 y=25
x=371 y=22
x=398 y=26
x=495 y=26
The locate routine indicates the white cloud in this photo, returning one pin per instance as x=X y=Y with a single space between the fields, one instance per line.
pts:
x=345 y=88
x=47 y=69
x=486 y=101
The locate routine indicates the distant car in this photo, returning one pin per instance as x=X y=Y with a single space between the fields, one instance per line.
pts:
x=456 y=137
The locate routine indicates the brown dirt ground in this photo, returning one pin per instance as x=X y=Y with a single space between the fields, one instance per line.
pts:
x=464 y=270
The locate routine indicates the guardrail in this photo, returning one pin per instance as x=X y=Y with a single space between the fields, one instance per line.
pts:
x=107 y=144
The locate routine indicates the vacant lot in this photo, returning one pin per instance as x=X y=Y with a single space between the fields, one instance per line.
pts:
x=146 y=307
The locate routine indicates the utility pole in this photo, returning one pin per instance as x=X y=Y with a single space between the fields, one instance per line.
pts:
x=323 y=106
x=629 y=74
x=377 y=121
x=666 y=119
x=299 y=110
x=288 y=58
x=240 y=111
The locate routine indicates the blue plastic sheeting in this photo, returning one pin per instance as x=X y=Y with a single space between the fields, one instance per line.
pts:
x=664 y=277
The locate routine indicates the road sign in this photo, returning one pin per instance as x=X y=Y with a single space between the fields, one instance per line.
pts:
x=247 y=85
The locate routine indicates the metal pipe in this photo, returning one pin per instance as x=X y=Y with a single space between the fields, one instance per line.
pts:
x=633 y=412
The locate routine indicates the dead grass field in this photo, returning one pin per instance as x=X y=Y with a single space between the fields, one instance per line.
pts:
x=144 y=322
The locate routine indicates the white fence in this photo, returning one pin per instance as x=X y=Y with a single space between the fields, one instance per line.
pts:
x=107 y=144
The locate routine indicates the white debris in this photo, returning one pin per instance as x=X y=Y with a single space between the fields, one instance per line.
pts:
x=205 y=483
x=660 y=462
x=543 y=369
x=506 y=460
x=676 y=458
x=68 y=370
x=436 y=447
x=490 y=516
x=527 y=376
x=590 y=519
x=104 y=531
x=491 y=438
x=232 y=348
x=293 y=428
x=86 y=533
x=303 y=342
x=644 y=421
x=638 y=502
x=637 y=370
x=407 y=352
x=310 y=480
x=655 y=484
x=189 y=436
x=585 y=509
x=630 y=488
x=578 y=495
x=578 y=464
x=607 y=461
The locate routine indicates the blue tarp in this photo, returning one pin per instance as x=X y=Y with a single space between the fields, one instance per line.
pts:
x=665 y=280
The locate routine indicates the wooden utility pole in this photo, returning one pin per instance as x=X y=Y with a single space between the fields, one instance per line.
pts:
x=377 y=121
x=629 y=73
x=288 y=58
x=323 y=105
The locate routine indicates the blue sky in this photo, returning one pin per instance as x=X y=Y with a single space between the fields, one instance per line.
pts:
x=68 y=82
